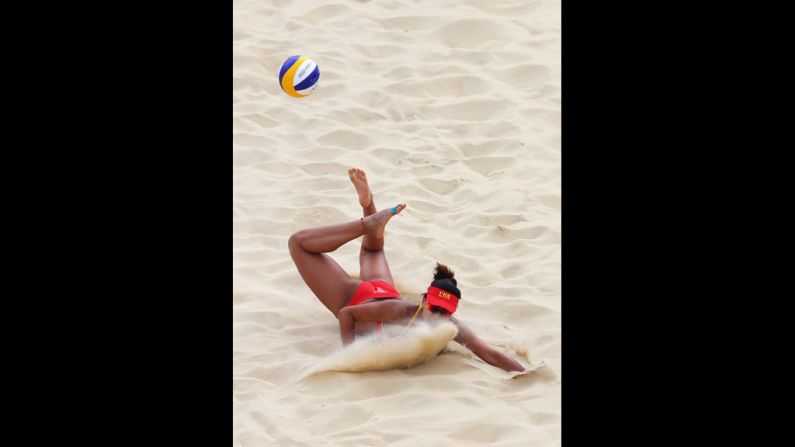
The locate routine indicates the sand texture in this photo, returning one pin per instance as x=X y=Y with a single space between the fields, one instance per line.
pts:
x=452 y=107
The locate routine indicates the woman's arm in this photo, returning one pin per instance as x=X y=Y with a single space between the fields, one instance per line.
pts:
x=379 y=311
x=482 y=349
x=347 y=325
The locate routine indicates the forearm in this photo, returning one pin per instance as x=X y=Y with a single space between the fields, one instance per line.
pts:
x=347 y=327
x=503 y=361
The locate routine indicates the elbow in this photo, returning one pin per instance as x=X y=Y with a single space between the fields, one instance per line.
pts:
x=346 y=326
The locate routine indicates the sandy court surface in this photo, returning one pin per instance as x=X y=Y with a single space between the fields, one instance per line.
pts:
x=452 y=107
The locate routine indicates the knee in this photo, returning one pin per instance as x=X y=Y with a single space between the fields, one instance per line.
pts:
x=294 y=242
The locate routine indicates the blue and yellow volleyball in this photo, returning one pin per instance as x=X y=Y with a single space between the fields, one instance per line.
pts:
x=299 y=76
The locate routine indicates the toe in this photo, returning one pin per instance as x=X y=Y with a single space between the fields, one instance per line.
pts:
x=398 y=208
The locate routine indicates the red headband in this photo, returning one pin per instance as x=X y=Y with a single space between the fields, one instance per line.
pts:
x=442 y=298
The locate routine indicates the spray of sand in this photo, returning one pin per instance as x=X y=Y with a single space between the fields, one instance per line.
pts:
x=395 y=348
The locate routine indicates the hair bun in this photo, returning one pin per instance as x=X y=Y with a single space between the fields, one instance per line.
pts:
x=442 y=272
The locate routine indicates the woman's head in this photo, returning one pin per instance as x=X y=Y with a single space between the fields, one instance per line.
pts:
x=443 y=295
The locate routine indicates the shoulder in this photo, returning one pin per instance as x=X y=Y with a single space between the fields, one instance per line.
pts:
x=464 y=333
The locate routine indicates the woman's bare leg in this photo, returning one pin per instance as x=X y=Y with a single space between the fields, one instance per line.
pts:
x=359 y=180
x=325 y=277
x=372 y=259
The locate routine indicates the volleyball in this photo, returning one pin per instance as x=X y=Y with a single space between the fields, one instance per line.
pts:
x=299 y=76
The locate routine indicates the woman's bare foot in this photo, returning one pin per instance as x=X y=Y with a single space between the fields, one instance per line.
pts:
x=377 y=222
x=359 y=180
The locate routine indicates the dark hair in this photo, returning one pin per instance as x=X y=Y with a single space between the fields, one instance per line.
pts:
x=443 y=278
x=443 y=272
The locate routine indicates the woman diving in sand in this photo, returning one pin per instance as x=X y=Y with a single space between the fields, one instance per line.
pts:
x=363 y=304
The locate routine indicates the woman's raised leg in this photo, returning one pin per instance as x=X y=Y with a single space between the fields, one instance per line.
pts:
x=372 y=259
x=325 y=277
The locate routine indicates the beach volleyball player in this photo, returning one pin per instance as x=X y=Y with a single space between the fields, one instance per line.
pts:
x=365 y=304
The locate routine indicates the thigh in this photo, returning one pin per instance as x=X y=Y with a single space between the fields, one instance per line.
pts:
x=327 y=280
x=373 y=266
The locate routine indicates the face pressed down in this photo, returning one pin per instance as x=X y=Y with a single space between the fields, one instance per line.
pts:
x=443 y=295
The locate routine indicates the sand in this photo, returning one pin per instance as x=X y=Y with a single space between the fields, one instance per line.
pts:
x=452 y=107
